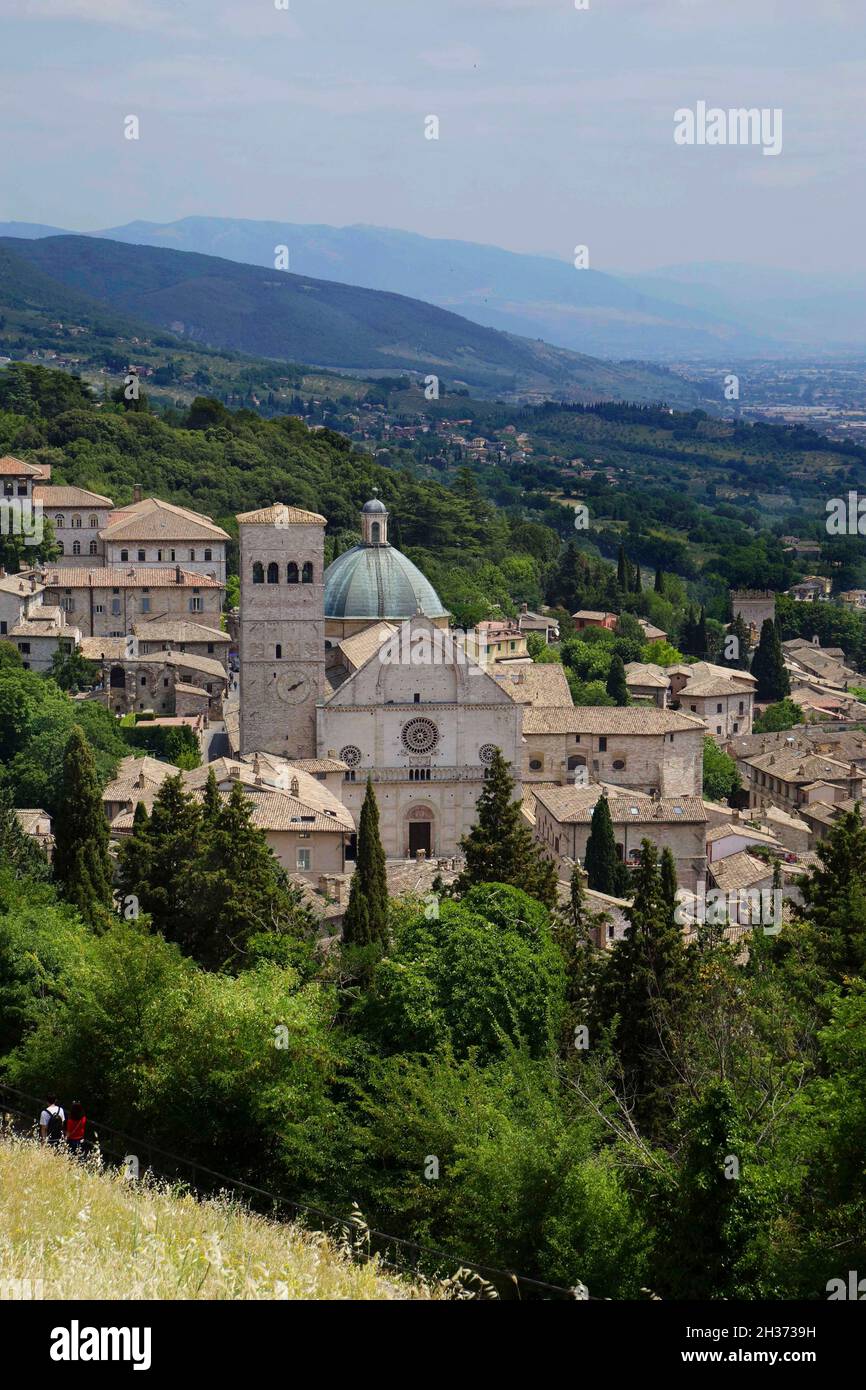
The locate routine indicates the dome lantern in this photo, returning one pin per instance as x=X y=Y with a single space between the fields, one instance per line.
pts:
x=374 y=521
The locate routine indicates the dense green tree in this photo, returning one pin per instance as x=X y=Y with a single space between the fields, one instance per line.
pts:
x=71 y=671
x=644 y=991
x=669 y=883
x=82 y=865
x=500 y=847
x=605 y=871
x=777 y=718
x=366 y=919
x=616 y=685
x=721 y=778
x=768 y=666
x=834 y=899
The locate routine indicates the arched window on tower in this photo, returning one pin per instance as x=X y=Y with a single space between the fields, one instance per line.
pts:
x=307 y=573
x=273 y=572
x=375 y=531
x=279 y=652
x=258 y=572
x=291 y=573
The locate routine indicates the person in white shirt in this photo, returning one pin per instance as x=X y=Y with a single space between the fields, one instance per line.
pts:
x=52 y=1122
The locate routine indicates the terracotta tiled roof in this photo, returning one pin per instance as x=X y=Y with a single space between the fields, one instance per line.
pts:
x=125 y=577
x=606 y=720
x=12 y=467
x=154 y=519
x=739 y=871
x=542 y=684
x=280 y=515
x=575 y=805
x=162 y=630
x=69 y=497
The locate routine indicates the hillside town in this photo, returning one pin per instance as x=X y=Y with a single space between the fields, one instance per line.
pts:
x=327 y=677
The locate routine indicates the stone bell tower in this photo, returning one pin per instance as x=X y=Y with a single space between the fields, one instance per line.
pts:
x=282 y=629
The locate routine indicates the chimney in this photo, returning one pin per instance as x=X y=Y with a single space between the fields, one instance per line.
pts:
x=177 y=576
x=136 y=492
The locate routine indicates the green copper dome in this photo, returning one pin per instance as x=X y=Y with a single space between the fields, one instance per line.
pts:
x=377 y=581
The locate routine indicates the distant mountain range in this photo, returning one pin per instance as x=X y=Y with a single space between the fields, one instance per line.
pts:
x=711 y=311
x=296 y=318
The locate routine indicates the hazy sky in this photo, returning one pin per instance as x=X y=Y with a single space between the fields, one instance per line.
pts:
x=556 y=125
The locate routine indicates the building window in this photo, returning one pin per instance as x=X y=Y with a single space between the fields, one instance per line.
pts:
x=143 y=680
x=24 y=647
x=4 y=628
x=59 y=522
x=419 y=774
x=76 y=522
x=196 y=605
x=192 y=555
x=92 y=523
x=60 y=547
x=208 y=555
x=291 y=573
x=258 y=572
x=76 y=547
x=124 y=555
x=304 y=858
x=278 y=651
x=307 y=572
x=602 y=745
x=416 y=698
x=97 y=607
x=718 y=709
x=350 y=755
x=145 y=605
x=535 y=764
x=93 y=548
x=165 y=682
x=115 y=607
x=618 y=764
x=419 y=736
x=141 y=555
x=273 y=572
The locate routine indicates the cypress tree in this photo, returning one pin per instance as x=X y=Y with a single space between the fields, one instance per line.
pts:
x=366 y=918
x=740 y=654
x=499 y=848
x=768 y=666
x=646 y=985
x=623 y=569
x=616 y=685
x=605 y=873
x=637 y=587
x=211 y=802
x=659 y=584
x=82 y=865
x=701 y=644
x=669 y=881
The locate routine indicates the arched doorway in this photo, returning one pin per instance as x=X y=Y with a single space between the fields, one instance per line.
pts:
x=419 y=831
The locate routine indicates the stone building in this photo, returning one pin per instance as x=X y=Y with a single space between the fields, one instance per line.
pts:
x=651 y=750
x=78 y=516
x=754 y=606
x=282 y=629
x=721 y=696
x=108 y=602
x=425 y=731
x=35 y=628
x=151 y=532
x=166 y=682
x=563 y=817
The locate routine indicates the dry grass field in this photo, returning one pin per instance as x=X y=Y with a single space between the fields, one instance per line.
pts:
x=91 y=1234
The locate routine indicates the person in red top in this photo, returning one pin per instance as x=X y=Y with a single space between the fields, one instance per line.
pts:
x=75 y=1126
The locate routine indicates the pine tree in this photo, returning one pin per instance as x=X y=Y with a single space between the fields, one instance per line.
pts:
x=616 y=686
x=366 y=920
x=82 y=865
x=500 y=848
x=164 y=879
x=646 y=986
x=18 y=850
x=768 y=666
x=605 y=873
x=834 y=899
